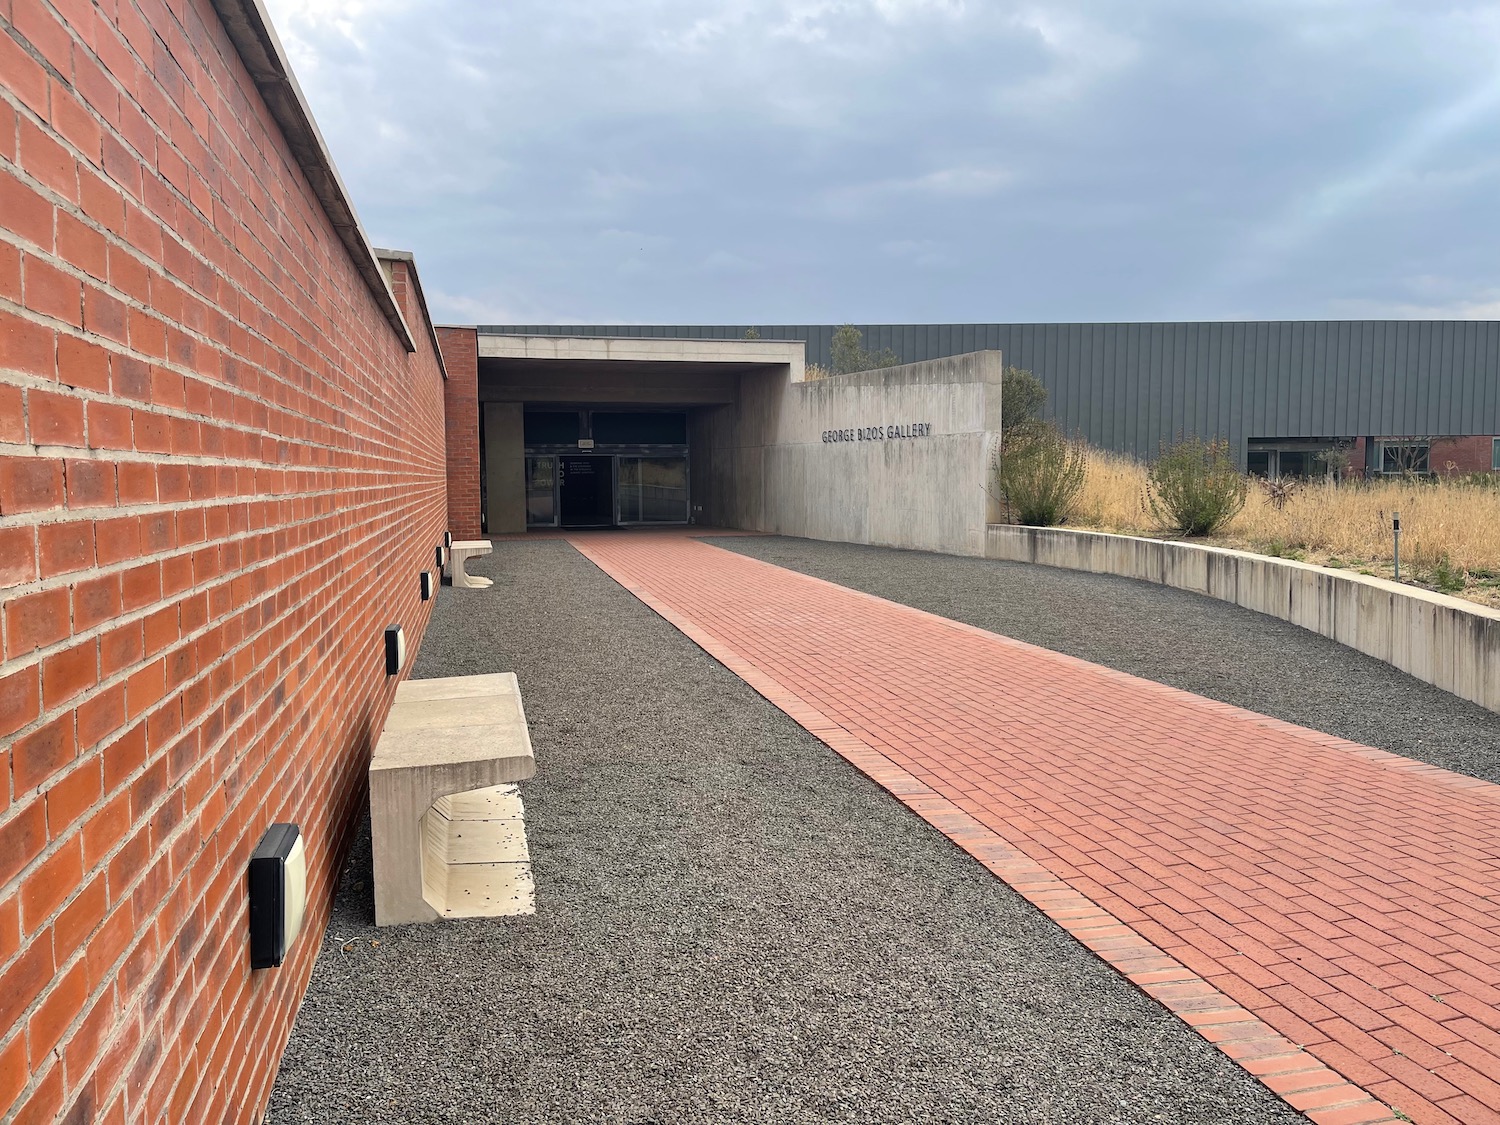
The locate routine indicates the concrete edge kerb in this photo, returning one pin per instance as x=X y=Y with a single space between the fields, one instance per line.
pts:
x=1444 y=641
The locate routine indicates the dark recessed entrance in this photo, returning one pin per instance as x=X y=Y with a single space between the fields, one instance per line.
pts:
x=586 y=491
x=606 y=466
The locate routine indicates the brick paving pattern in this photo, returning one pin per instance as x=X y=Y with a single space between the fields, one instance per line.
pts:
x=1322 y=911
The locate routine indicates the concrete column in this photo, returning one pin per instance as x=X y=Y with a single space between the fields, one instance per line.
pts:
x=504 y=468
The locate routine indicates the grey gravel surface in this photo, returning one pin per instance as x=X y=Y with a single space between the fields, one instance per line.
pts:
x=734 y=925
x=1186 y=640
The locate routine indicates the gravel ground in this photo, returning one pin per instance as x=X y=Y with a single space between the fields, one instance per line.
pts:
x=734 y=925
x=1186 y=640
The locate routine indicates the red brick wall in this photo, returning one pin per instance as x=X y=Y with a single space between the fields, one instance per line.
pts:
x=461 y=403
x=1448 y=455
x=220 y=474
x=1463 y=454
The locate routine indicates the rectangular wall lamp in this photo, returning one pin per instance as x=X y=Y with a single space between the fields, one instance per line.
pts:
x=395 y=649
x=278 y=894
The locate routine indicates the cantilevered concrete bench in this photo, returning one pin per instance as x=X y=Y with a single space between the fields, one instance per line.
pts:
x=461 y=552
x=445 y=817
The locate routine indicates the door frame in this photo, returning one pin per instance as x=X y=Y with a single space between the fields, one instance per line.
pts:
x=687 y=469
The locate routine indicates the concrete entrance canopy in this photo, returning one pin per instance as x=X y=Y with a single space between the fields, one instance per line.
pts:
x=897 y=456
x=695 y=377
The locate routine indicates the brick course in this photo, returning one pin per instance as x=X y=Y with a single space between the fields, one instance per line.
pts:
x=220 y=474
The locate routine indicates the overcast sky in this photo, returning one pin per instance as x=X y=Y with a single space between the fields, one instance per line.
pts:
x=822 y=161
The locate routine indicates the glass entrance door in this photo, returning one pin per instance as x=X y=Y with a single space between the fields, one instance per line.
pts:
x=652 y=490
x=585 y=490
x=541 y=492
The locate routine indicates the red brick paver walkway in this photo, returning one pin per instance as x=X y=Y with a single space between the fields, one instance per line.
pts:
x=1320 y=910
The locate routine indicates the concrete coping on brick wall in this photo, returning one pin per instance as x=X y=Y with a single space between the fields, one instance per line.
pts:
x=410 y=260
x=1444 y=641
x=259 y=48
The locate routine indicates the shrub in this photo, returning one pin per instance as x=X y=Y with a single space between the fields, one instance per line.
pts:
x=849 y=353
x=1278 y=549
x=1445 y=577
x=1279 y=490
x=1039 y=474
x=1022 y=397
x=1194 y=487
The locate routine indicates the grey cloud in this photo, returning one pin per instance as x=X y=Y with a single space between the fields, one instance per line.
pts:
x=1076 y=159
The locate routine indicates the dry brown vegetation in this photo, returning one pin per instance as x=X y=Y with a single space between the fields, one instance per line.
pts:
x=1450 y=529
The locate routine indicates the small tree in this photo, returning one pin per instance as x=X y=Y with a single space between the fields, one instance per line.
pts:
x=1194 y=488
x=848 y=353
x=1338 y=460
x=1022 y=397
x=1039 y=474
x=752 y=333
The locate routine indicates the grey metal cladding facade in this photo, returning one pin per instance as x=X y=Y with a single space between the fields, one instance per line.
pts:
x=1130 y=387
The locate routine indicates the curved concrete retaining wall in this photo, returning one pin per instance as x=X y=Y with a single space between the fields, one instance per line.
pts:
x=1452 y=644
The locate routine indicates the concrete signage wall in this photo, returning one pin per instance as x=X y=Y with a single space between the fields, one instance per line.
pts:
x=898 y=457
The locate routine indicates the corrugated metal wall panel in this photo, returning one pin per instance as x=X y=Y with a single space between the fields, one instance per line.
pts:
x=1131 y=386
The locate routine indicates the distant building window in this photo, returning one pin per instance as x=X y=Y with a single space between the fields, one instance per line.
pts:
x=1301 y=464
x=1404 y=458
x=1495 y=454
x=1300 y=458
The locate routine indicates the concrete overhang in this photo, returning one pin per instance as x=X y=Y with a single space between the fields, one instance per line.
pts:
x=566 y=369
x=624 y=349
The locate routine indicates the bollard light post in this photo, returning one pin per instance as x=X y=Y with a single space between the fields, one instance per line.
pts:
x=1396 y=532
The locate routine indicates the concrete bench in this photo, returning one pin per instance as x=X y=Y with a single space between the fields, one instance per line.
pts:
x=445 y=816
x=461 y=552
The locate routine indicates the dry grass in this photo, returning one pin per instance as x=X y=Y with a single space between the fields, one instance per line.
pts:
x=1450 y=531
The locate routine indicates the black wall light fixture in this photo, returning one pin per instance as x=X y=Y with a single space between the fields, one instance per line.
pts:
x=427 y=585
x=441 y=555
x=395 y=649
x=447 y=539
x=278 y=894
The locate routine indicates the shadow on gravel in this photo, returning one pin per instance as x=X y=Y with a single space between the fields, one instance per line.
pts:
x=733 y=925
x=1186 y=640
